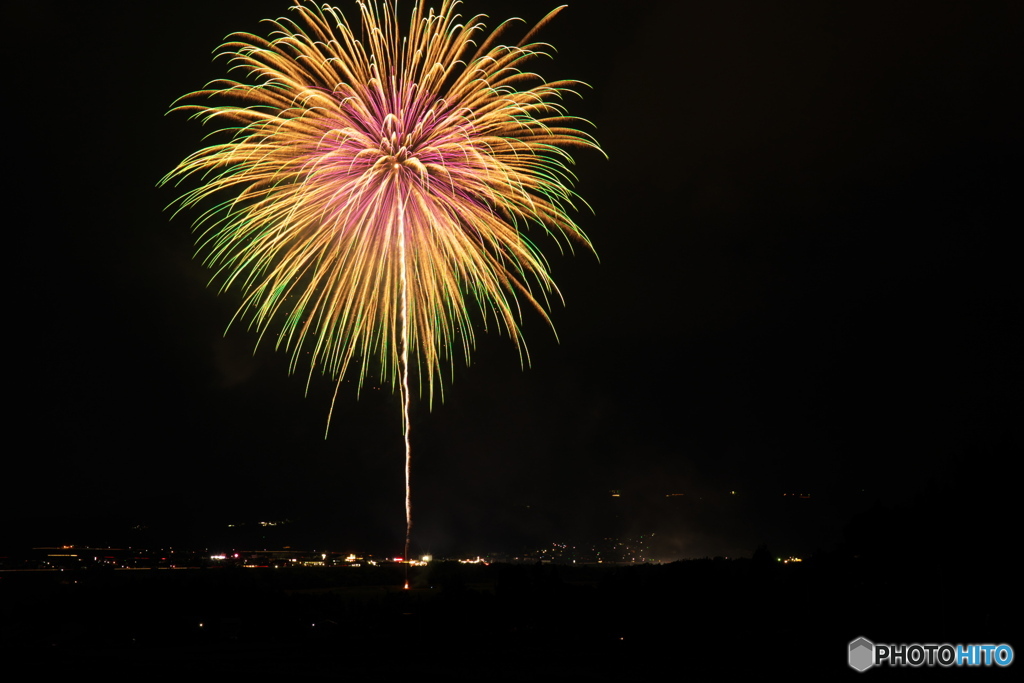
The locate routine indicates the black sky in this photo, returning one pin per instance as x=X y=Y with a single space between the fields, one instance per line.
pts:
x=806 y=283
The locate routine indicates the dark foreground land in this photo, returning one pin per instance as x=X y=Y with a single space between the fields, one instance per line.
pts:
x=505 y=622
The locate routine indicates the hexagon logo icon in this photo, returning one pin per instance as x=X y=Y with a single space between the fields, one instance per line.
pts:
x=862 y=654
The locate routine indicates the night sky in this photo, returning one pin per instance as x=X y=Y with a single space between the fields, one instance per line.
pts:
x=804 y=283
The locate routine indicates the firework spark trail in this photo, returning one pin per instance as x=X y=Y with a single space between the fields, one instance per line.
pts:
x=375 y=188
x=405 y=384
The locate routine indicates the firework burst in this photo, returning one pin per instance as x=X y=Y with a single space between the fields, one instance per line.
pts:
x=373 y=186
x=342 y=147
